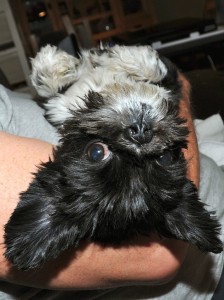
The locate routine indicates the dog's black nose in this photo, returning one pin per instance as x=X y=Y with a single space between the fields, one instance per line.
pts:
x=140 y=132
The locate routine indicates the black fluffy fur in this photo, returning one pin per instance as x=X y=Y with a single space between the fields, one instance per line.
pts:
x=139 y=189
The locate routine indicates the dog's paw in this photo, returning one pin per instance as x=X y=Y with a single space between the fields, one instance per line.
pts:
x=53 y=70
x=137 y=62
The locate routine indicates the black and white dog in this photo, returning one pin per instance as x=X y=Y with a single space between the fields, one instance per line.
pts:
x=119 y=170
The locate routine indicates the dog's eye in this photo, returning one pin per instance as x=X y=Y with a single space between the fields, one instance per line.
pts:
x=166 y=158
x=97 y=152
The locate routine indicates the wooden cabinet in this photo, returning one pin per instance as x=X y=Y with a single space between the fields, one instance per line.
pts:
x=101 y=20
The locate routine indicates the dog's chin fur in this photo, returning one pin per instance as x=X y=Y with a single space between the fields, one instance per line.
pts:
x=119 y=170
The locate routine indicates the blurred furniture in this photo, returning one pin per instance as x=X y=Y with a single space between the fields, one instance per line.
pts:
x=94 y=21
x=13 y=61
x=100 y=20
x=194 y=40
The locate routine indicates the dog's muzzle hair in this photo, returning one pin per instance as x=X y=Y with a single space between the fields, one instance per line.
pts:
x=119 y=170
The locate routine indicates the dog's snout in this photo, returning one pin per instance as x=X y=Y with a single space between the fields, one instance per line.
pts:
x=139 y=132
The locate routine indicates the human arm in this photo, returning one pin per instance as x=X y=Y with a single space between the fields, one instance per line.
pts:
x=145 y=260
x=191 y=153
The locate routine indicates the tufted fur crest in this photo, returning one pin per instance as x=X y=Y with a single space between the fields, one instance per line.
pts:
x=54 y=70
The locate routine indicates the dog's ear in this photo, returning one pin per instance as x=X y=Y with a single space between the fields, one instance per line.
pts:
x=53 y=70
x=39 y=229
x=191 y=222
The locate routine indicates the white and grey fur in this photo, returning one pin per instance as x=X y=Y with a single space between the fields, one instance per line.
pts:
x=119 y=169
x=100 y=71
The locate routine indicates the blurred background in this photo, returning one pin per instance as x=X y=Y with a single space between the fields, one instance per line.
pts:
x=189 y=32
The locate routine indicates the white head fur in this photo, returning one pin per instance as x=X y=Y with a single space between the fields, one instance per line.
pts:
x=95 y=70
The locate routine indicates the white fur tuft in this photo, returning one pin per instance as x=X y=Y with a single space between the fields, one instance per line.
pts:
x=139 y=62
x=53 y=69
x=96 y=70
